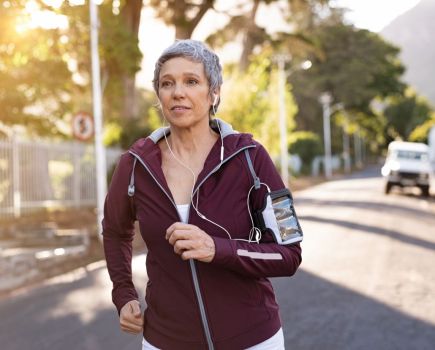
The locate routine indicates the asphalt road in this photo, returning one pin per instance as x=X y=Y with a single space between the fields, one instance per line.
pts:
x=367 y=281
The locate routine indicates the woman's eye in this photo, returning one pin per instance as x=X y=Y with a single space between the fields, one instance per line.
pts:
x=192 y=82
x=165 y=84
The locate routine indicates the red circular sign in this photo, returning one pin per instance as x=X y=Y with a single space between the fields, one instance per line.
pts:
x=83 y=126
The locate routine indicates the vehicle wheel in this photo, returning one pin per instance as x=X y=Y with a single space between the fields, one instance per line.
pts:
x=388 y=187
x=425 y=191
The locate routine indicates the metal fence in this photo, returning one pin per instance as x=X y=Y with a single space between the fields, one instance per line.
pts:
x=45 y=175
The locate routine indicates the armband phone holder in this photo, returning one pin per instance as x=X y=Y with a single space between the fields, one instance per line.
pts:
x=278 y=216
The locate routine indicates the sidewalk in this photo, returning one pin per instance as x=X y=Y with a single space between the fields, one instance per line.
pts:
x=42 y=245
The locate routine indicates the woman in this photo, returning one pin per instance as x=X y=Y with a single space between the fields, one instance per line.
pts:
x=188 y=185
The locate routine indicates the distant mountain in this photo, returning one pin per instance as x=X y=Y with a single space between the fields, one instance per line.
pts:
x=414 y=33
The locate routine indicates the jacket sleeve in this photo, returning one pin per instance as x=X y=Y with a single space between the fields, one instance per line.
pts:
x=118 y=233
x=266 y=259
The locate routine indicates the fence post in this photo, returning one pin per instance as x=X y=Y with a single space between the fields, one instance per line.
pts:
x=76 y=173
x=16 y=176
x=357 y=149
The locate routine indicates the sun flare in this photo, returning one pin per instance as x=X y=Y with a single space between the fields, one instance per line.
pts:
x=35 y=17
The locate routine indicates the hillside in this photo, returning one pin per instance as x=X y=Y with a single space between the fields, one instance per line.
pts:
x=414 y=33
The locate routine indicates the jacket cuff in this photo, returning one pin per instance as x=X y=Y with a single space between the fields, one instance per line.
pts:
x=122 y=297
x=224 y=251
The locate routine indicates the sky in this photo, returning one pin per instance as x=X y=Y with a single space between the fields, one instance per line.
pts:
x=154 y=36
x=374 y=14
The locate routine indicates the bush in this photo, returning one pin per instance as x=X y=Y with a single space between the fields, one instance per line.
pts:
x=307 y=146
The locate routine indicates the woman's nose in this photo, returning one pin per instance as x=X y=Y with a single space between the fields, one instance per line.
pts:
x=178 y=90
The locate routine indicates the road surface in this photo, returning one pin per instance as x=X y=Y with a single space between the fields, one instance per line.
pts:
x=368 y=273
x=367 y=281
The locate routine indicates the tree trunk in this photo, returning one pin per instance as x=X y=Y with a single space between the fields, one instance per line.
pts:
x=183 y=32
x=248 y=41
x=131 y=13
x=129 y=108
x=184 y=26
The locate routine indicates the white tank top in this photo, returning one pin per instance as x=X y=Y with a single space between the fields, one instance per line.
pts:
x=183 y=210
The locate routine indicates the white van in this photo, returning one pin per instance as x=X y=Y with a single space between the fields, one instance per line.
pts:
x=407 y=164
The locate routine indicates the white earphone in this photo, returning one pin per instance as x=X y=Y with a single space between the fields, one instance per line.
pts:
x=215 y=100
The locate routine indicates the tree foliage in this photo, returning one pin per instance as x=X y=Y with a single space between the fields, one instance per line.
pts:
x=421 y=132
x=45 y=73
x=405 y=114
x=120 y=56
x=357 y=67
x=29 y=59
x=250 y=102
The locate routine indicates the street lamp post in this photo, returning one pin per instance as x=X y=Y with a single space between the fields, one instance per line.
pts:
x=100 y=154
x=326 y=99
x=281 y=60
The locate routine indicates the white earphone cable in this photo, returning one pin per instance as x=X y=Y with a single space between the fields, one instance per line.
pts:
x=254 y=232
x=202 y=216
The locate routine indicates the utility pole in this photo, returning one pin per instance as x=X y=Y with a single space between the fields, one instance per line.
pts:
x=281 y=60
x=326 y=99
x=100 y=153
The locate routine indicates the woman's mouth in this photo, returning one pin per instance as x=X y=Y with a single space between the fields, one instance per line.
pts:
x=179 y=108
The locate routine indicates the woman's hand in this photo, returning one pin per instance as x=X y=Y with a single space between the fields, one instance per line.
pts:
x=130 y=318
x=190 y=242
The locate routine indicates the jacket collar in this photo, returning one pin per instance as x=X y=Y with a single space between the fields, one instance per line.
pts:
x=148 y=149
x=225 y=129
x=149 y=152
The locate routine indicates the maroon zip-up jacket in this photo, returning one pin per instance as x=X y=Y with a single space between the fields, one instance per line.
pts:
x=226 y=304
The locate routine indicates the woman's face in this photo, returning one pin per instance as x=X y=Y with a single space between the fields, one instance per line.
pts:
x=184 y=92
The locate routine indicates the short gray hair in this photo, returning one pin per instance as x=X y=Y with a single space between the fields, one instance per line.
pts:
x=195 y=51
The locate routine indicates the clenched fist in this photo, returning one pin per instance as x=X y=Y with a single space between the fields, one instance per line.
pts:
x=190 y=242
x=130 y=318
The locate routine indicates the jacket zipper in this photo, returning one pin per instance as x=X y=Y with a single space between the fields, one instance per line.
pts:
x=201 y=304
x=191 y=261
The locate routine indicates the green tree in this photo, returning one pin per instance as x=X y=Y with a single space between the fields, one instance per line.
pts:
x=29 y=59
x=45 y=73
x=120 y=56
x=405 y=114
x=357 y=66
x=421 y=132
x=250 y=102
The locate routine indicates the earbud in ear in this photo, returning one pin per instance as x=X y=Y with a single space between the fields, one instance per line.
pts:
x=215 y=99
